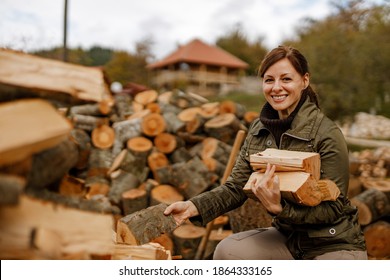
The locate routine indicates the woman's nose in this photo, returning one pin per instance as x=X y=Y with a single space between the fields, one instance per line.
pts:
x=277 y=86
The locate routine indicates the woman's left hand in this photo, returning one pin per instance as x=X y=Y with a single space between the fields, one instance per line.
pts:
x=267 y=190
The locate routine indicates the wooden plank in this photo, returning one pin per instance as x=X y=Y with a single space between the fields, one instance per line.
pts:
x=29 y=126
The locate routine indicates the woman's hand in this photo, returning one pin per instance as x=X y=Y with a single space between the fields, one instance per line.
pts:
x=267 y=190
x=181 y=211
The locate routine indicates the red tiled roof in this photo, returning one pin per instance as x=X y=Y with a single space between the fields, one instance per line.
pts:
x=199 y=52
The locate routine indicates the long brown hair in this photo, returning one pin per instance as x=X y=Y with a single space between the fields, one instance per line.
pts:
x=297 y=60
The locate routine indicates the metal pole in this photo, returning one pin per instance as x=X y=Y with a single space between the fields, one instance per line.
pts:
x=65 y=49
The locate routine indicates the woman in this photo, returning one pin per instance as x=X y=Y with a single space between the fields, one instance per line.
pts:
x=290 y=120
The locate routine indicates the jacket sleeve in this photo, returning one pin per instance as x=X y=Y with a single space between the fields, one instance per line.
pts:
x=226 y=197
x=334 y=166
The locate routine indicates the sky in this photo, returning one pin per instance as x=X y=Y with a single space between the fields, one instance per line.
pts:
x=119 y=24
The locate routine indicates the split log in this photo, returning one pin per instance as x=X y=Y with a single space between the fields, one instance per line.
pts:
x=50 y=165
x=145 y=225
x=103 y=136
x=99 y=163
x=165 y=194
x=189 y=114
x=141 y=252
x=153 y=124
x=373 y=204
x=134 y=200
x=187 y=238
x=209 y=110
x=299 y=187
x=83 y=142
x=214 y=166
x=125 y=130
x=76 y=230
x=153 y=107
x=166 y=241
x=191 y=178
x=355 y=186
x=180 y=155
x=157 y=160
x=29 y=126
x=287 y=161
x=121 y=182
x=250 y=116
x=167 y=142
x=252 y=214
x=72 y=186
x=140 y=146
x=24 y=75
x=173 y=123
x=146 y=97
x=136 y=164
x=196 y=125
x=11 y=187
x=223 y=127
x=185 y=100
x=377 y=236
x=123 y=105
x=216 y=149
x=96 y=109
x=229 y=106
x=88 y=123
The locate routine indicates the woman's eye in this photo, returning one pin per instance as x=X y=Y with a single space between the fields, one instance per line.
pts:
x=268 y=80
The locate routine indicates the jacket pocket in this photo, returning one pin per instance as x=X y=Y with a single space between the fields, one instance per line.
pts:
x=342 y=232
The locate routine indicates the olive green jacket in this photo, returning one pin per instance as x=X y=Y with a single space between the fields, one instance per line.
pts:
x=310 y=231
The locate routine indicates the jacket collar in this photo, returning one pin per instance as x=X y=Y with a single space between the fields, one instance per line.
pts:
x=304 y=125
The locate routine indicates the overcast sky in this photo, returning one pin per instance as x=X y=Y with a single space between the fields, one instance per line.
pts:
x=119 y=24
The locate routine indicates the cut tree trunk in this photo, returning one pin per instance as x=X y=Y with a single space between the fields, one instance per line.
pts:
x=121 y=182
x=187 y=239
x=223 y=127
x=377 y=236
x=146 y=97
x=167 y=142
x=165 y=194
x=134 y=200
x=145 y=225
x=153 y=124
x=373 y=204
x=228 y=106
x=29 y=126
x=103 y=136
x=83 y=141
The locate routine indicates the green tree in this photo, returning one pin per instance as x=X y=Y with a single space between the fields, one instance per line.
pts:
x=236 y=43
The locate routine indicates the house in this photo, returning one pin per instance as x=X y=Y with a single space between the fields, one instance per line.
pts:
x=198 y=67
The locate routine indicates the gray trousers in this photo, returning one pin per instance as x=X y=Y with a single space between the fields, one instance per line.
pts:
x=269 y=244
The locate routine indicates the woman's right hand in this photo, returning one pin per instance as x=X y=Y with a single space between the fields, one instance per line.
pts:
x=181 y=211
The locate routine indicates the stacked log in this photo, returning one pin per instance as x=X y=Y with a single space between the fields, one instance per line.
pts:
x=370 y=193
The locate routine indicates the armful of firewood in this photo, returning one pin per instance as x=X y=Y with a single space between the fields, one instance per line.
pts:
x=299 y=187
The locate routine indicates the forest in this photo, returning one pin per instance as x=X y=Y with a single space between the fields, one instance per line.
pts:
x=348 y=52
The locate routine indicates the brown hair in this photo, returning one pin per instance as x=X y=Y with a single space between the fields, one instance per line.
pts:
x=297 y=60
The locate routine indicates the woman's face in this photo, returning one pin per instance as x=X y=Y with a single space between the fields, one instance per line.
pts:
x=282 y=87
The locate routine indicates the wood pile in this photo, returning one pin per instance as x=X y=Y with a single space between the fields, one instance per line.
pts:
x=71 y=146
x=369 y=191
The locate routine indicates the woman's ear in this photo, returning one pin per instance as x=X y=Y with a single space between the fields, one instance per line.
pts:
x=306 y=80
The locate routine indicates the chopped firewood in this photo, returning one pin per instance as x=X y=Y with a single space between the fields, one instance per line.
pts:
x=59 y=231
x=299 y=187
x=29 y=126
x=189 y=114
x=229 y=106
x=142 y=252
x=94 y=109
x=373 y=204
x=146 y=97
x=134 y=200
x=173 y=123
x=287 y=161
x=377 y=239
x=145 y=225
x=164 y=194
x=216 y=149
x=166 y=142
x=83 y=141
x=157 y=160
x=33 y=76
x=153 y=124
x=72 y=186
x=11 y=187
x=88 y=123
x=223 y=127
x=209 y=110
x=164 y=240
x=121 y=182
x=140 y=145
x=125 y=130
x=153 y=107
x=250 y=116
x=103 y=136
x=196 y=125
x=187 y=239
